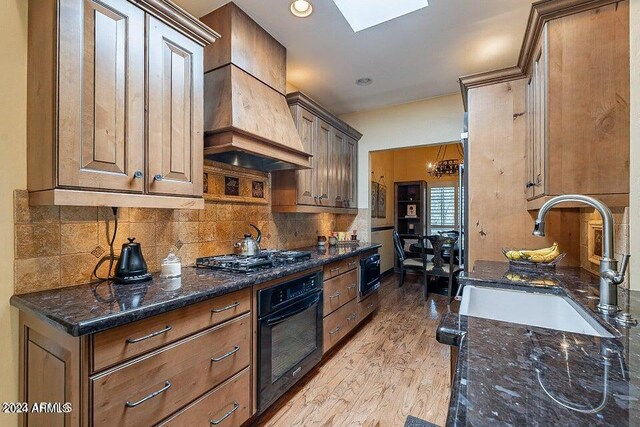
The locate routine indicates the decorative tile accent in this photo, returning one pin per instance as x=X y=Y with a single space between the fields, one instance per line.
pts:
x=179 y=244
x=231 y=186
x=98 y=252
x=257 y=189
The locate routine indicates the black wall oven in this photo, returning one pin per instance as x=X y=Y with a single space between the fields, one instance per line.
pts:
x=289 y=335
x=369 y=275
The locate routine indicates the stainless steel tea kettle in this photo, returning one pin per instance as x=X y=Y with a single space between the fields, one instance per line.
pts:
x=248 y=245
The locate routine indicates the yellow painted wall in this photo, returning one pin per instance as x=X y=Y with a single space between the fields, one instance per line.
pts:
x=410 y=164
x=13 y=93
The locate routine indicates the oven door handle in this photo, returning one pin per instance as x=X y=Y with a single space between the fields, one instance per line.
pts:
x=280 y=319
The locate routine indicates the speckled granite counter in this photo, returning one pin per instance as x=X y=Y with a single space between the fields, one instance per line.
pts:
x=91 y=308
x=517 y=375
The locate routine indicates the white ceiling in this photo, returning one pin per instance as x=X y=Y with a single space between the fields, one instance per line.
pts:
x=416 y=56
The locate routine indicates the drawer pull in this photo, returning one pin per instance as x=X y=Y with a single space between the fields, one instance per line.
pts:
x=151 y=335
x=236 y=405
x=229 y=307
x=336 y=295
x=351 y=287
x=335 y=331
x=224 y=356
x=334 y=269
x=370 y=305
x=351 y=264
x=352 y=317
x=167 y=386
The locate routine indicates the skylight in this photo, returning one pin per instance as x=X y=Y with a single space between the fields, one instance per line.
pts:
x=363 y=14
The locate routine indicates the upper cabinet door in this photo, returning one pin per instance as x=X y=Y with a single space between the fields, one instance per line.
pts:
x=306 y=177
x=175 y=76
x=321 y=162
x=350 y=173
x=101 y=95
x=336 y=168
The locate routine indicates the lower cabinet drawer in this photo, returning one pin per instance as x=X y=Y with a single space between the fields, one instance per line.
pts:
x=368 y=306
x=148 y=389
x=338 y=324
x=227 y=406
x=115 y=345
x=339 y=290
x=339 y=267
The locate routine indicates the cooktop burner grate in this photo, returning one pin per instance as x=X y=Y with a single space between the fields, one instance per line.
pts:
x=265 y=260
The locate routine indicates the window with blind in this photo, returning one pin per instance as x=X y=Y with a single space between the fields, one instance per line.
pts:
x=443 y=207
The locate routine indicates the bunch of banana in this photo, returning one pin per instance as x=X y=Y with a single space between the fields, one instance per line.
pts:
x=537 y=256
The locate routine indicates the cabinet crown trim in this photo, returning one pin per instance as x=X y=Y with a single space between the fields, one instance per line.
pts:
x=314 y=107
x=541 y=12
x=180 y=19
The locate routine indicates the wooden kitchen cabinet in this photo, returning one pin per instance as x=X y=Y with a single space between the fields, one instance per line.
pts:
x=578 y=107
x=175 y=99
x=331 y=183
x=201 y=359
x=87 y=96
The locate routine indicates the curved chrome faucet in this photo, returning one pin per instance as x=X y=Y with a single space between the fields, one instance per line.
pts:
x=610 y=276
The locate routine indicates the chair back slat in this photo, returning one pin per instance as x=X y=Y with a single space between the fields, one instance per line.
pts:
x=399 y=247
x=442 y=247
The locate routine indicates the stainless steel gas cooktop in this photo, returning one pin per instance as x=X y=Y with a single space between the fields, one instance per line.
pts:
x=266 y=259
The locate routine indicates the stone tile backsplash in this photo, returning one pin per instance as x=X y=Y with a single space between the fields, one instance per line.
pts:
x=621 y=233
x=60 y=246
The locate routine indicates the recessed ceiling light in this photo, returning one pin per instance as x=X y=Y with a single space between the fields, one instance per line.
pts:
x=301 y=8
x=364 y=81
x=362 y=14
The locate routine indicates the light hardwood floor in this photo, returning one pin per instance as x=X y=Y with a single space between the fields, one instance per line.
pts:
x=390 y=368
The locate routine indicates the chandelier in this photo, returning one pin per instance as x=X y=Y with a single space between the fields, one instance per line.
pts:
x=443 y=166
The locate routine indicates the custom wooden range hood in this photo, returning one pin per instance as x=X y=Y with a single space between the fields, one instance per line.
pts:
x=247 y=121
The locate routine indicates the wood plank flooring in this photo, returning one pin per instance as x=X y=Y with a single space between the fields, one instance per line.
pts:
x=390 y=368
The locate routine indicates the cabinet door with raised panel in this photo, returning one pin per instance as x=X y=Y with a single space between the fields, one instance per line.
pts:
x=307 y=194
x=321 y=160
x=336 y=168
x=540 y=118
x=101 y=95
x=349 y=170
x=175 y=111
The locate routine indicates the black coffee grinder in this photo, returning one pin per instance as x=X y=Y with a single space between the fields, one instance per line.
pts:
x=131 y=267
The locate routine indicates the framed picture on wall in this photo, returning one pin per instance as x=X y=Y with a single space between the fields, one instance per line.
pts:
x=594 y=242
x=374 y=199
x=382 y=201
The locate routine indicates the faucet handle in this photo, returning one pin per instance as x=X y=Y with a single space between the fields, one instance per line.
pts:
x=623 y=266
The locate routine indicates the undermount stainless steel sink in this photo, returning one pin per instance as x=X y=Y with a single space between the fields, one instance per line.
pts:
x=543 y=310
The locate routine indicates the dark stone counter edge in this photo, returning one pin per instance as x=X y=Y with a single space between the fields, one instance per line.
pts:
x=122 y=318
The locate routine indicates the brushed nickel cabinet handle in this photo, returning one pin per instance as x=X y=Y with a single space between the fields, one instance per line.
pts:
x=335 y=331
x=236 y=405
x=352 y=317
x=157 y=177
x=224 y=356
x=138 y=175
x=167 y=386
x=229 y=307
x=351 y=287
x=151 y=335
x=352 y=263
x=336 y=295
x=370 y=305
x=334 y=269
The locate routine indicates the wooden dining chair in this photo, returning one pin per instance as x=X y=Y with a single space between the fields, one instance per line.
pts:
x=443 y=263
x=410 y=263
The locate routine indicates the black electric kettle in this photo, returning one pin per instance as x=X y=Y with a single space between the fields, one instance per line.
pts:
x=131 y=267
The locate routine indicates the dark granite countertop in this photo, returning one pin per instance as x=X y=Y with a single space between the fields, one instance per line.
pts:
x=515 y=375
x=90 y=308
